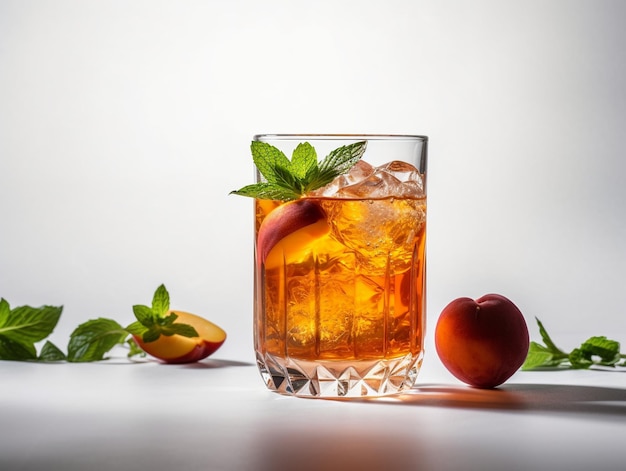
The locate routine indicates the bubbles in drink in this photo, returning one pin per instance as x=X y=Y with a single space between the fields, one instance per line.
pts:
x=381 y=232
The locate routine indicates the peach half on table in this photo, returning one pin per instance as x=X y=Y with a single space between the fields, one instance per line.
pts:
x=181 y=349
x=288 y=228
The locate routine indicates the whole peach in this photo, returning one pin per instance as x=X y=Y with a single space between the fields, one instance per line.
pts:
x=482 y=342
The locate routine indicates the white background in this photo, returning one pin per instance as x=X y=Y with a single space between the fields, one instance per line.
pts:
x=125 y=124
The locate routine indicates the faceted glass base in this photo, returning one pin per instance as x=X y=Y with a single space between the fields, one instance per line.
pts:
x=321 y=378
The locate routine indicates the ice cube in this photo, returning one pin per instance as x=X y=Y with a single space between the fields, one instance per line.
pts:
x=401 y=170
x=360 y=171
x=394 y=179
x=408 y=175
x=377 y=185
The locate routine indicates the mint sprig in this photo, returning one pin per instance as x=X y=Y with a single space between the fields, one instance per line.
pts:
x=595 y=351
x=22 y=327
x=287 y=180
x=152 y=322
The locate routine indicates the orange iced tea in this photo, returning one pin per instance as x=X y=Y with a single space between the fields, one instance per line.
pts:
x=340 y=274
x=340 y=299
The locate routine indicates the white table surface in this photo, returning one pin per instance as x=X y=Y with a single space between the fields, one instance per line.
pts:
x=217 y=415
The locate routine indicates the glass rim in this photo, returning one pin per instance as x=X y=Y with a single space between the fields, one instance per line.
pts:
x=331 y=137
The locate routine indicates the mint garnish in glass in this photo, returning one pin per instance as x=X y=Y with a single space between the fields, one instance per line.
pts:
x=287 y=180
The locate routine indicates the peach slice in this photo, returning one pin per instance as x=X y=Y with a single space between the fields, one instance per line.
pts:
x=290 y=226
x=180 y=349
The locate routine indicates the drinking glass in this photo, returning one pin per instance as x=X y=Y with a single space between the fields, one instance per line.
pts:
x=340 y=281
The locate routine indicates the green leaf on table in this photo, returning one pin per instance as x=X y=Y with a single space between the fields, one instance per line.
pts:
x=22 y=327
x=607 y=351
x=92 y=340
x=5 y=309
x=538 y=357
x=50 y=352
x=26 y=324
x=579 y=360
x=595 y=351
x=16 y=351
x=548 y=341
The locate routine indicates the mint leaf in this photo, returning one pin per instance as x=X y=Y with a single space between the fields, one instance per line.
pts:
x=50 y=352
x=166 y=326
x=12 y=350
x=287 y=180
x=599 y=351
x=338 y=162
x=160 y=301
x=548 y=341
x=22 y=327
x=26 y=324
x=152 y=334
x=266 y=191
x=137 y=328
x=147 y=331
x=267 y=159
x=168 y=320
x=579 y=360
x=343 y=158
x=607 y=350
x=538 y=356
x=303 y=160
x=180 y=329
x=5 y=309
x=144 y=315
x=92 y=340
